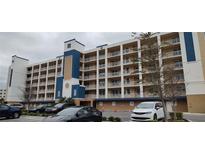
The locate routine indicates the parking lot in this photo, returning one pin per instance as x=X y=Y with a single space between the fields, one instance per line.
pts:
x=124 y=116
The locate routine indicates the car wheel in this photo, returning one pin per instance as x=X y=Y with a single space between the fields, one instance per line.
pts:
x=155 y=117
x=16 y=115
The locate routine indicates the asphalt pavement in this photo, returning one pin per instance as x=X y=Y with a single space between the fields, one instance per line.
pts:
x=124 y=116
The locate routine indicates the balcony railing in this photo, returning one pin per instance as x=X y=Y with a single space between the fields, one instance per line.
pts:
x=42 y=83
x=113 y=54
x=101 y=75
x=90 y=68
x=51 y=74
x=113 y=74
x=131 y=83
x=91 y=87
x=50 y=90
x=90 y=96
x=131 y=50
x=43 y=68
x=35 y=77
x=101 y=96
x=89 y=77
x=127 y=62
x=90 y=59
x=114 y=95
x=114 y=64
x=172 y=54
x=51 y=82
x=52 y=67
x=102 y=85
x=101 y=56
x=131 y=95
x=118 y=84
x=101 y=65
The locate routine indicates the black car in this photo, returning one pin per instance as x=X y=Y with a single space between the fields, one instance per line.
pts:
x=9 y=111
x=38 y=109
x=77 y=114
x=57 y=108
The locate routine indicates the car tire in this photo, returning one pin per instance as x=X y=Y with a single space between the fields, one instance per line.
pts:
x=16 y=115
x=155 y=117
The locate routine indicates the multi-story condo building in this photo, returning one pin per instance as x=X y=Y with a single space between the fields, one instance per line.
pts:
x=2 y=93
x=107 y=77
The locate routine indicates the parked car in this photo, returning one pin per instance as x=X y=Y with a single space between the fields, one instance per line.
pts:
x=77 y=114
x=17 y=105
x=147 y=111
x=39 y=109
x=9 y=111
x=57 y=108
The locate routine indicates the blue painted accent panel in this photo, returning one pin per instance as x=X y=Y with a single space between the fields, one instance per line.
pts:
x=59 y=87
x=75 y=62
x=189 y=44
x=78 y=91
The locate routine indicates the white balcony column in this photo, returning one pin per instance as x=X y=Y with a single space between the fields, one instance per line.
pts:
x=97 y=75
x=46 y=81
x=83 y=67
x=121 y=72
x=106 y=74
x=140 y=68
x=160 y=58
x=56 y=73
x=38 y=82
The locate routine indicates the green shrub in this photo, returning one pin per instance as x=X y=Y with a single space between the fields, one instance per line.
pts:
x=117 y=119
x=111 y=118
x=171 y=115
x=179 y=115
x=104 y=118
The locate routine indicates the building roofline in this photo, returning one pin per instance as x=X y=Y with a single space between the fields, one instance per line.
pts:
x=20 y=57
x=74 y=40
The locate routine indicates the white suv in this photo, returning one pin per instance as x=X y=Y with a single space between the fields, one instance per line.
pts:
x=147 y=111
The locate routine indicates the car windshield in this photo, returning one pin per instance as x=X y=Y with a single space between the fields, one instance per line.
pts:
x=145 y=106
x=58 y=105
x=68 y=111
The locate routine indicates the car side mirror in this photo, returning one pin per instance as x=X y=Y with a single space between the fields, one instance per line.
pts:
x=157 y=108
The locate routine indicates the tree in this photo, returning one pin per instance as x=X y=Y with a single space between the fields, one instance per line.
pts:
x=2 y=100
x=27 y=94
x=62 y=100
x=161 y=76
x=70 y=101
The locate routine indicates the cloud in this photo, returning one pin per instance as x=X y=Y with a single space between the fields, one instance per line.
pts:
x=41 y=46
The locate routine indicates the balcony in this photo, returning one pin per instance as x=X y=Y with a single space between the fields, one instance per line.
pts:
x=51 y=74
x=90 y=59
x=41 y=99
x=28 y=78
x=149 y=94
x=131 y=83
x=101 y=75
x=113 y=64
x=127 y=62
x=90 y=96
x=42 y=76
x=43 y=68
x=101 y=96
x=149 y=70
x=102 y=85
x=29 y=72
x=50 y=90
x=102 y=66
x=42 y=91
x=35 y=70
x=89 y=77
x=131 y=95
x=52 y=67
x=114 y=84
x=90 y=87
x=114 y=74
x=114 y=54
x=34 y=84
x=129 y=51
x=114 y=96
x=50 y=98
x=42 y=83
x=172 y=54
x=171 y=42
x=90 y=68
x=51 y=82
x=35 y=77
x=101 y=56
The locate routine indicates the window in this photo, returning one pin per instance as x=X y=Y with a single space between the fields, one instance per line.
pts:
x=75 y=92
x=68 y=46
x=113 y=103
x=10 y=78
x=59 y=93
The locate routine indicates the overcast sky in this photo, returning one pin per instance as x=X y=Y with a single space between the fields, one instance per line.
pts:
x=41 y=46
